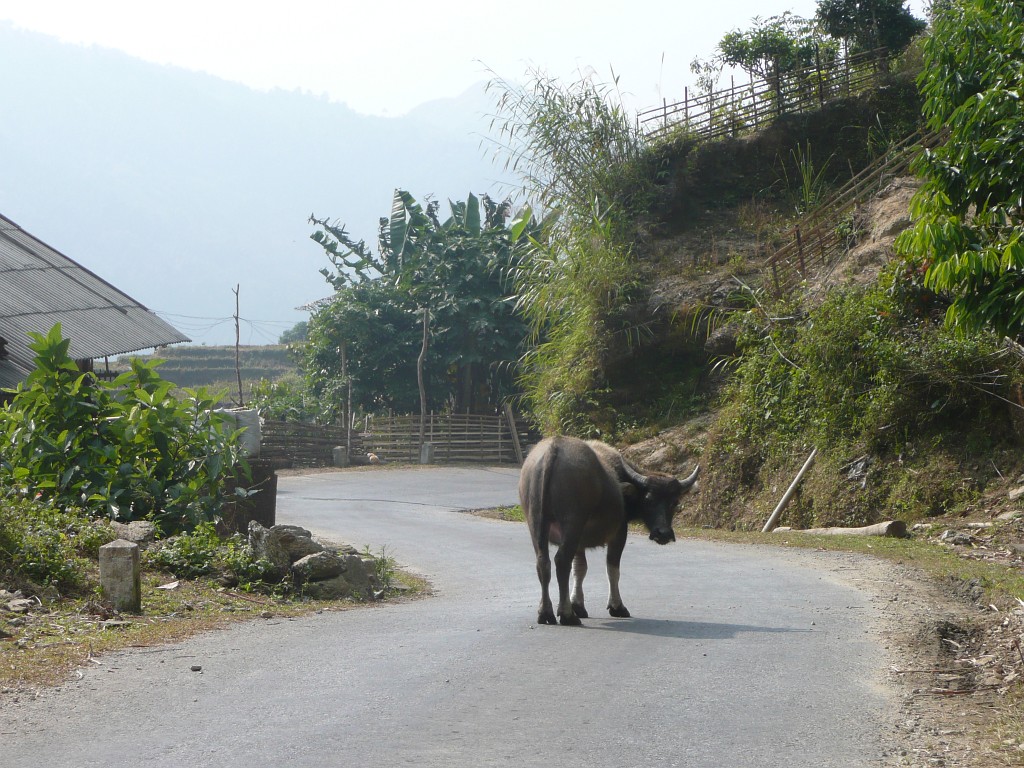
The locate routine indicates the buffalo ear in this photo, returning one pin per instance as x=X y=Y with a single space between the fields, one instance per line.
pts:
x=629 y=491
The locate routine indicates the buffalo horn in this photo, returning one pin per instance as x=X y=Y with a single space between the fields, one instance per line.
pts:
x=692 y=478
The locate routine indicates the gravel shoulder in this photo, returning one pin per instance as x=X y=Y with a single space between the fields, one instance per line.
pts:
x=952 y=666
x=951 y=663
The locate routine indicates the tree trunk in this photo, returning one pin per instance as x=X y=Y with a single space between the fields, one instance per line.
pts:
x=894 y=528
x=419 y=374
x=346 y=408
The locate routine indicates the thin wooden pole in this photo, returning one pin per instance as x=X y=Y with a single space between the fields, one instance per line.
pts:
x=510 y=415
x=238 y=367
x=753 y=100
x=347 y=415
x=800 y=252
x=774 y=518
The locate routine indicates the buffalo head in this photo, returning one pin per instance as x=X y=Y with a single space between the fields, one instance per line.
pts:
x=653 y=499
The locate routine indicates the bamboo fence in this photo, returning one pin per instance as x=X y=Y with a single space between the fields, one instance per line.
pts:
x=824 y=234
x=455 y=438
x=744 y=108
x=287 y=444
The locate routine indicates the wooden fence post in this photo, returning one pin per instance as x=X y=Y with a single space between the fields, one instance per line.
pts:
x=753 y=100
x=732 y=105
x=800 y=252
x=514 y=432
x=817 y=63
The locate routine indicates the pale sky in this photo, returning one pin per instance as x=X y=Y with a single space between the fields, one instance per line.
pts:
x=384 y=58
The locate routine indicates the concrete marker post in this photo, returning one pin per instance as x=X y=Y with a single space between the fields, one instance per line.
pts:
x=121 y=575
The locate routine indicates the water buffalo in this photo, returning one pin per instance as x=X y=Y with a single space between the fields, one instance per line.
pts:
x=582 y=494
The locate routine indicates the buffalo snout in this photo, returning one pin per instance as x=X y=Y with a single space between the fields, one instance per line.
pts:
x=663 y=535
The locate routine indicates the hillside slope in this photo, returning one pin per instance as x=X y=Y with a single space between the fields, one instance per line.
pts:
x=213 y=367
x=953 y=645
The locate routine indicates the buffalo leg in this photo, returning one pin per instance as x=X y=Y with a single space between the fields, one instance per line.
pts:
x=579 y=573
x=563 y=566
x=615 y=547
x=545 y=611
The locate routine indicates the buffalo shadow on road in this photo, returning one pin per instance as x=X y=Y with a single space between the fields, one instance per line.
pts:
x=684 y=630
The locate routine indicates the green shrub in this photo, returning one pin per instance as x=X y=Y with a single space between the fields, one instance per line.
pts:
x=203 y=553
x=127 y=449
x=43 y=546
x=286 y=399
x=860 y=370
x=868 y=380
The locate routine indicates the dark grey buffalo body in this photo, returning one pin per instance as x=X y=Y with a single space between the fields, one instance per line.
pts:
x=582 y=494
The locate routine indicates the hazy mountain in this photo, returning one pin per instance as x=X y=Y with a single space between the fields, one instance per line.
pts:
x=174 y=186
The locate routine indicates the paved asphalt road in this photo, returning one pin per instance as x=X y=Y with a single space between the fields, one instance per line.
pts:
x=735 y=657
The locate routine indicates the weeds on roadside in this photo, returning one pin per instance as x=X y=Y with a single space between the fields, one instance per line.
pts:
x=203 y=553
x=42 y=546
x=385 y=567
x=580 y=158
x=894 y=402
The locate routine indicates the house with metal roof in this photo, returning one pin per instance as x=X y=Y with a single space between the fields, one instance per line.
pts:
x=40 y=287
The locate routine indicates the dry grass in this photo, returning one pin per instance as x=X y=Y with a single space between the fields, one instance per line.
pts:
x=45 y=645
x=1002 y=584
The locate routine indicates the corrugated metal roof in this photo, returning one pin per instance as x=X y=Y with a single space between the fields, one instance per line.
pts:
x=40 y=286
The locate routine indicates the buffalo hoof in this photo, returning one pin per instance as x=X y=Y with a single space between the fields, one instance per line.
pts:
x=580 y=611
x=546 y=617
x=619 y=613
x=571 y=620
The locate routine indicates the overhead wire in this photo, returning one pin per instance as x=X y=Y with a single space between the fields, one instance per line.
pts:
x=267 y=330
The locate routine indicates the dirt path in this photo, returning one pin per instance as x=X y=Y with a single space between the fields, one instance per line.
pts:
x=952 y=664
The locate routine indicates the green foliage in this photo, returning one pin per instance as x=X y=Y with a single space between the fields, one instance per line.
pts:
x=44 y=546
x=863 y=377
x=576 y=149
x=969 y=226
x=869 y=24
x=775 y=46
x=126 y=449
x=376 y=324
x=297 y=333
x=861 y=370
x=810 y=184
x=456 y=267
x=575 y=299
x=580 y=157
x=286 y=399
x=203 y=553
x=384 y=566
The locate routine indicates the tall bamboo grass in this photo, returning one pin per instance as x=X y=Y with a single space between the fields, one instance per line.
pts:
x=579 y=157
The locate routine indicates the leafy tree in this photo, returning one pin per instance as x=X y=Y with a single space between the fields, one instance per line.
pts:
x=869 y=24
x=969 y=212
x=127 y=449
x=375 y=323
x=775 y=46
x=455 y=269
x=297 y=333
